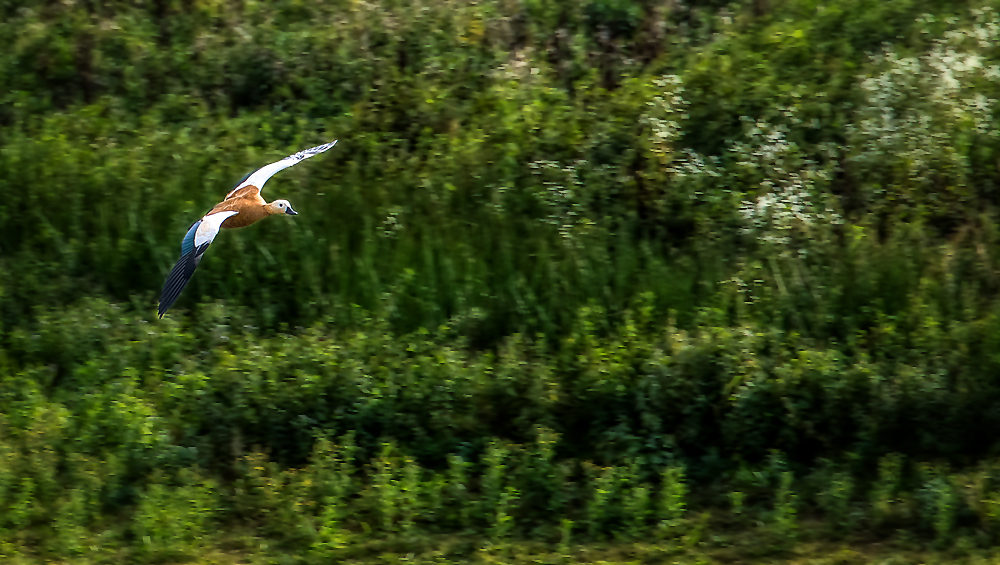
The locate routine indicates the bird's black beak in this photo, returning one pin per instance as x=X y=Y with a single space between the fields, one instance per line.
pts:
x=291 y=212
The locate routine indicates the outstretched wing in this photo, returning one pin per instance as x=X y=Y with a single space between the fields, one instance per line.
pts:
x=199 y=236
x=260 y=176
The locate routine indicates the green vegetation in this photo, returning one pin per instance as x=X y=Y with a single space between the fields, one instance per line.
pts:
x=610 y=280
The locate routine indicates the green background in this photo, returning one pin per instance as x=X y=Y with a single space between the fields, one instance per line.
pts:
x=711 y=277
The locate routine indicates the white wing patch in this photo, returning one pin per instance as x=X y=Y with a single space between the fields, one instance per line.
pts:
x=262 y=174
x=210 y=226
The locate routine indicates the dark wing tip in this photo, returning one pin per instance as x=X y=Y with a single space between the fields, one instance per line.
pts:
x=176 y=281
x=306 y=153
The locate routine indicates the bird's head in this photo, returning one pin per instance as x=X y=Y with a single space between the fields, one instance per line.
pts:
x=280 y=207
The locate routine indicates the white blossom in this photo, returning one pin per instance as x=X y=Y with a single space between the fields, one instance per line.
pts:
x=665 y=111
x=913 y=103
x=787 y=200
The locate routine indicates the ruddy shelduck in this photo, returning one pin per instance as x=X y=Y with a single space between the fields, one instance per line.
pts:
x=241 y=207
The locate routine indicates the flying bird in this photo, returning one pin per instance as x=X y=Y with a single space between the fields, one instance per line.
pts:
x=241 y=207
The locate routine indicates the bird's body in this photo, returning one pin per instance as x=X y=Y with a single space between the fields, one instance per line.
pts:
x=248 y=204
x=242 y=207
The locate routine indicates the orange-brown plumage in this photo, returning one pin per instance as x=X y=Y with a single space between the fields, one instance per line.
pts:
x=248 y=204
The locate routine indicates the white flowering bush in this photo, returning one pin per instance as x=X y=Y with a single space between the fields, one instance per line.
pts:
x=561 y=195
x=788 y=198
x=693 y=182
x=922 y=114
x=666 y=110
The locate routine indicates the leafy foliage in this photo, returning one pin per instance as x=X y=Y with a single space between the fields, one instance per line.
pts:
x=577 y=273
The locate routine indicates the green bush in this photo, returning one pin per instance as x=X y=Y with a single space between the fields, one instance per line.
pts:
x=172 y=520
